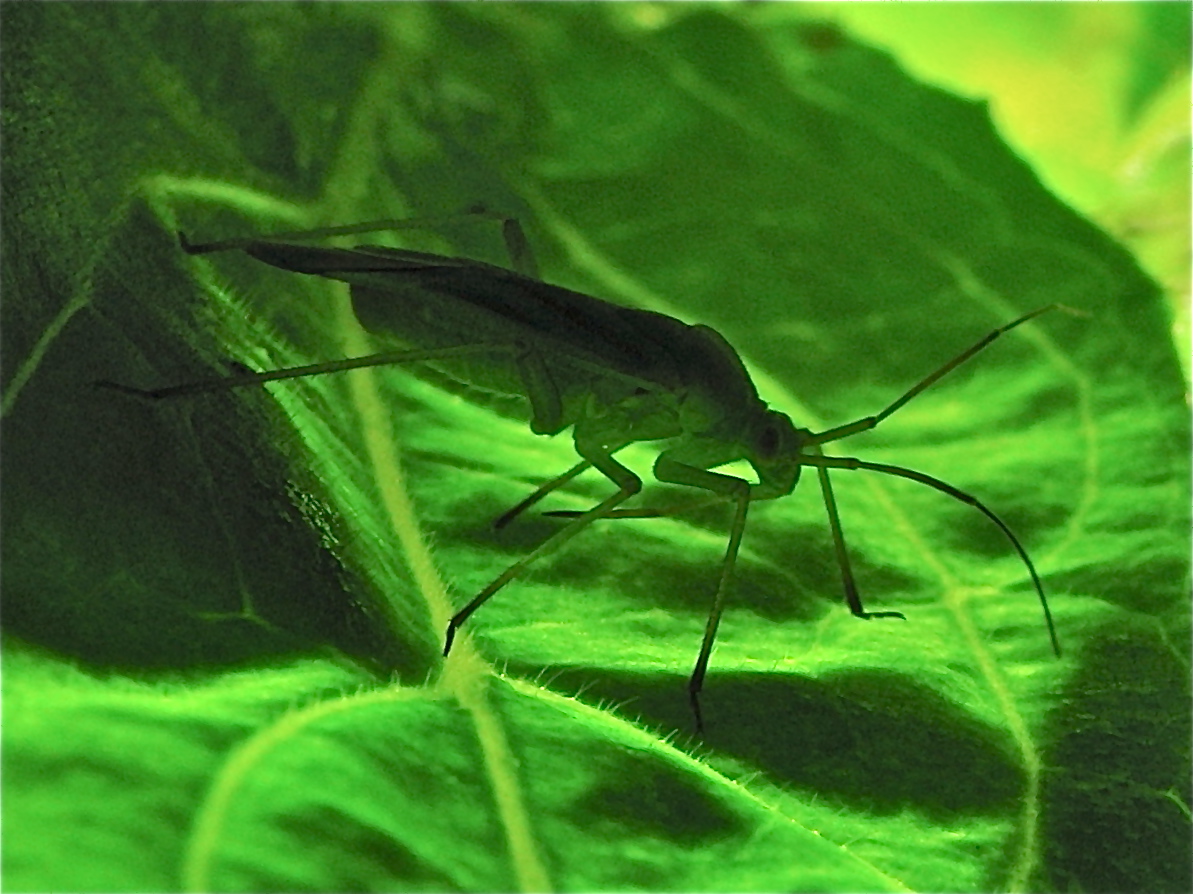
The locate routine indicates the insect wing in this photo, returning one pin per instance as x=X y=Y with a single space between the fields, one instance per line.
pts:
x=430 y=301
x=337 y=263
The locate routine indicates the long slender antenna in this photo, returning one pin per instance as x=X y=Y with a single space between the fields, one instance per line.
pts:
x=848 y=462
x=868 y=422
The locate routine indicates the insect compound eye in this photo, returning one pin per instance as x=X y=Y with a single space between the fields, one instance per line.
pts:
x=774 y=454
x=769 y=438
x=768 y=442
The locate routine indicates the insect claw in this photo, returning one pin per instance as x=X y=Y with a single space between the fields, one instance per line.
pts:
x=866 y=616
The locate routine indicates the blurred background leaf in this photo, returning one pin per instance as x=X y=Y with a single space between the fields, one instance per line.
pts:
x=222 y=616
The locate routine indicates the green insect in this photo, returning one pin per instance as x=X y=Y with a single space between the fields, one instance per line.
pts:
x=614 y=375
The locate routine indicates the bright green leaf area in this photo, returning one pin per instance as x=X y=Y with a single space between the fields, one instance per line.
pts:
x=223 y=614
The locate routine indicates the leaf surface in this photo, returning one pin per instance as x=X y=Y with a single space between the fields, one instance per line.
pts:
x=223 y=614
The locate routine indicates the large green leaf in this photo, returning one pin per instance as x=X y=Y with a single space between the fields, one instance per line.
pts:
x=224 y=614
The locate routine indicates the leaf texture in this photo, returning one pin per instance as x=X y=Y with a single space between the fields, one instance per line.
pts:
x=223 y=615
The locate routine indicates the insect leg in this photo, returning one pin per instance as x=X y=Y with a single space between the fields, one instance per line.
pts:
x=674 y=472
x=602 y=460
x=849 y=462
x=555 y=483
x=243 y=380
x=868 y=422
x=834 y=521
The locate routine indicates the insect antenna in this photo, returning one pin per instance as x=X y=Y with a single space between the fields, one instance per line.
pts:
x=868 y=422
x=853 y=464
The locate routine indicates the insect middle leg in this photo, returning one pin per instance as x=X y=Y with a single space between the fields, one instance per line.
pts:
x=672 y=471
x=602 y=460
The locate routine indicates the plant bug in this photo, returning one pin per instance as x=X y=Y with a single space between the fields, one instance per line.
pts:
x=614 y=375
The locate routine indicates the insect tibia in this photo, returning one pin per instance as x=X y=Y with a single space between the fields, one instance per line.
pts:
x=620 y=513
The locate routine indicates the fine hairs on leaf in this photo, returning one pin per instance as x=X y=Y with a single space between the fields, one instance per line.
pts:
x=224 y=612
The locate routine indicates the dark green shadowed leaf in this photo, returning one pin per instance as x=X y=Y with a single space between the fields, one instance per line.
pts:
x=223 y=614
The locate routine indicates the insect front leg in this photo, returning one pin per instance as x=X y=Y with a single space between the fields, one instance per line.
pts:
x=834 y=521
x=601 y=458
x=670 y=470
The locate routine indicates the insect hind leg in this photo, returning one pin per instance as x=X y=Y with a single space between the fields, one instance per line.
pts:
x=543 y=490
x=602 y=460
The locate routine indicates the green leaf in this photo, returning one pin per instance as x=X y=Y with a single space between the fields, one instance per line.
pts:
x=224 y=614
